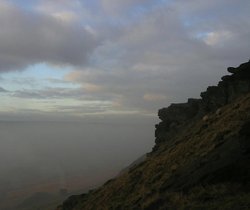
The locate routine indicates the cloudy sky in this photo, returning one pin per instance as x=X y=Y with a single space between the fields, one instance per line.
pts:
x=82 y=58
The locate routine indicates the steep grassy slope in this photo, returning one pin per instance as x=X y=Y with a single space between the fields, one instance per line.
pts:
x=201 y=159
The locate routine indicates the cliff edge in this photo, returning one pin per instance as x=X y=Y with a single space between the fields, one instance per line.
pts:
x=201 y=159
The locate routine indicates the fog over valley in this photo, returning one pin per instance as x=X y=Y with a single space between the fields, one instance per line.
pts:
x=54 y=155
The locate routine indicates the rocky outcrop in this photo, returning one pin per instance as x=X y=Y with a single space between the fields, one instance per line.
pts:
x=201 y=159
x=173 y=118
x=176 y=115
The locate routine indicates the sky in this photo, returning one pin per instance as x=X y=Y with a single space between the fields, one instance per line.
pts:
x=81 y=59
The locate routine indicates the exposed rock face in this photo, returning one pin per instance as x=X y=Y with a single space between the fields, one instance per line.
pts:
x=174 y=117
x=201 y=159
x=177 y=115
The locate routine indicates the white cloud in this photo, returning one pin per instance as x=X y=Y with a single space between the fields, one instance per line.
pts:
x=217 y=38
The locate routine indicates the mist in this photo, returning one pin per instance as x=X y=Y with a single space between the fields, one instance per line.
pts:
x=77 y=156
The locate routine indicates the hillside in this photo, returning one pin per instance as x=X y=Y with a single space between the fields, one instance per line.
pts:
x=201 y=159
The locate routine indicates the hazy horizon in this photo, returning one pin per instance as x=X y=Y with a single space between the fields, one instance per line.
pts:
x=49 y=156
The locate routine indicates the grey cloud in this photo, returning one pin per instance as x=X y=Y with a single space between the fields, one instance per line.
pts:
x=196 y=8
x=119 y=6
x=27 y=38
x=57 y=81
x=27 y=94
x=2 y=90
x=160 y=55
x=79 y=94
x=84 y=109
x=165 y=55
x=48 y=93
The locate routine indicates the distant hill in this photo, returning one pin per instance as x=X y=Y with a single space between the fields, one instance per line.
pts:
x=201 y=159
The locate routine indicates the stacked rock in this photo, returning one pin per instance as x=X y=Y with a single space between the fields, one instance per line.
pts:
x=228 y=89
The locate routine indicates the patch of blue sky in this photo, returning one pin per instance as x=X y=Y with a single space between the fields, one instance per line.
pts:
x=43 y=71
x=37 y=76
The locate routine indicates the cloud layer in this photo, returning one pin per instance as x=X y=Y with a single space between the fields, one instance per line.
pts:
x=136 y=56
